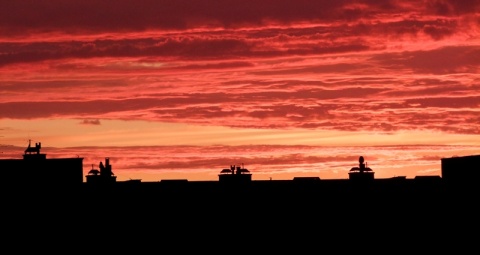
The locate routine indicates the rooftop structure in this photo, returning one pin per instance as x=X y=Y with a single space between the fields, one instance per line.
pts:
x=35 y=168
x=104 y=175
x=235 y=174
x=362 y=172
x=34 y=152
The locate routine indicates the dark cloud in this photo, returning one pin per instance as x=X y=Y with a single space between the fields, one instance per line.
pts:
x=121 y=15
x=447 y=102
x=184 y=47
x=453 y=7
x=231 y=44
x=90 y=122
x=449 y=59
x=348 y=109
x=22 y=16
x=187 y=47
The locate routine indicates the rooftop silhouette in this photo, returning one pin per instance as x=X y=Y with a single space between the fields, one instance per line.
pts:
x=457 y=173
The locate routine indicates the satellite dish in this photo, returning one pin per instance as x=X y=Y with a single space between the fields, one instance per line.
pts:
x=361 y=159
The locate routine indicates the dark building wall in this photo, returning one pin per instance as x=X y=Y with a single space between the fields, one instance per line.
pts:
x=461 y=169
x=62 y=171
x=235 y=177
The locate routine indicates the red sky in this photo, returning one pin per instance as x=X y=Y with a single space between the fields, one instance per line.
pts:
x=182 y=89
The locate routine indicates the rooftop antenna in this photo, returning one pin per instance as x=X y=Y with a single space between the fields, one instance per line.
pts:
x=28 y=136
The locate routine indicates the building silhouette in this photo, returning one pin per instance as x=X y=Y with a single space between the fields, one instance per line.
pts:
x=38 y=170
x=461 y=172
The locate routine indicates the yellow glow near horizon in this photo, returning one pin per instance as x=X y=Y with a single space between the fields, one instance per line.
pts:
x=70 y=133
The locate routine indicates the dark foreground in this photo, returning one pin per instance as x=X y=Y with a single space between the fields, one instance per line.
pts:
x=236 y=216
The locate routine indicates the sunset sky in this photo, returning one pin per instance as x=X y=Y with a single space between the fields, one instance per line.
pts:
x=177 y=89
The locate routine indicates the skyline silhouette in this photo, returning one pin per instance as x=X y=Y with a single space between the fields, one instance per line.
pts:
x=430 y=206
x=325 y=162
x=70 y=171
